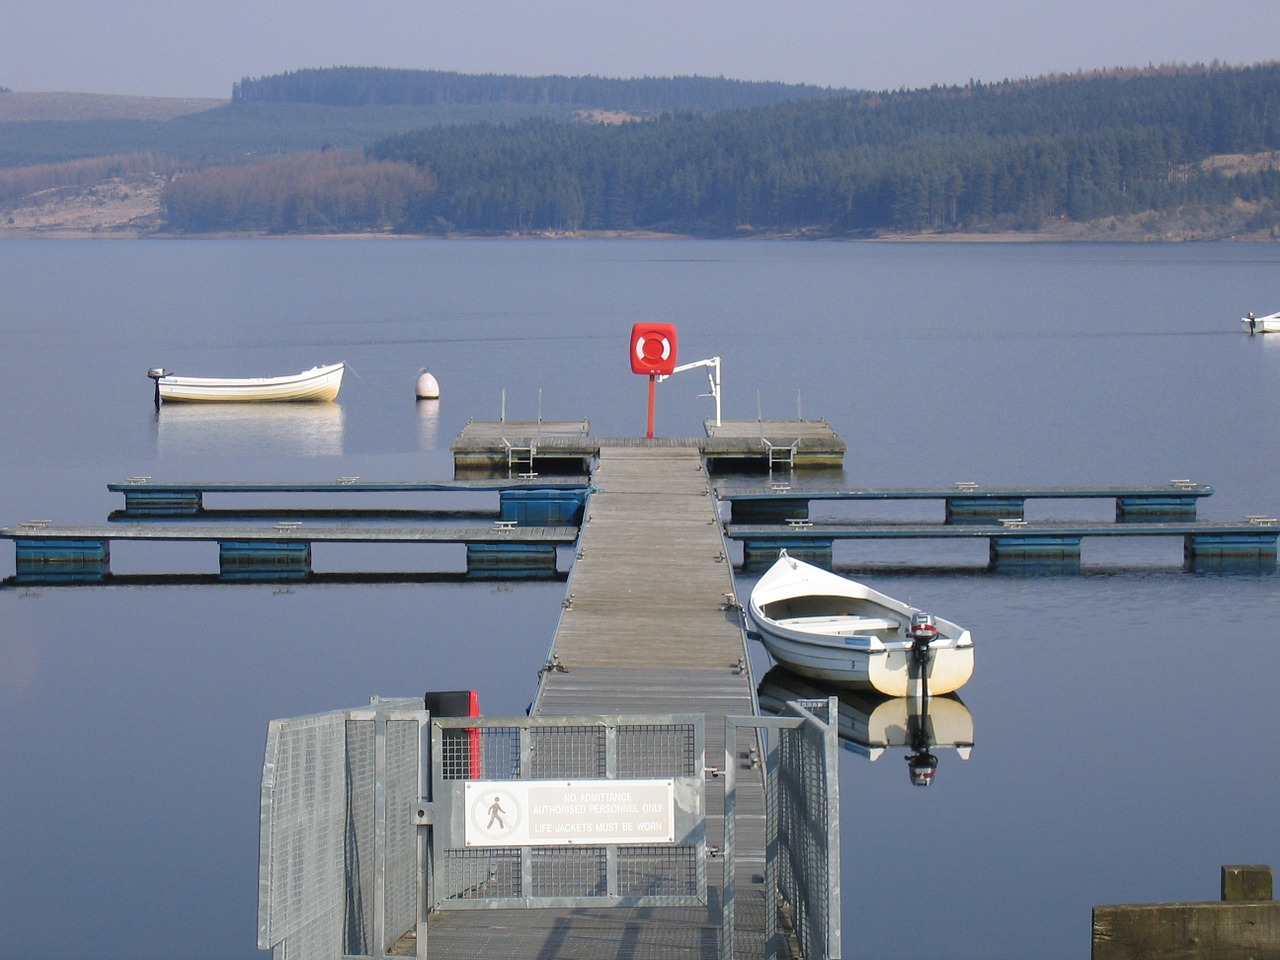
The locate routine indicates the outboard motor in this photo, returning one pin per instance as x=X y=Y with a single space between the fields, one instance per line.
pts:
x=155 y=373
x=923 y=631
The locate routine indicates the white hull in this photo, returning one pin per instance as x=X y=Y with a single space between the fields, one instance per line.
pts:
x=830 y=628
x=1268 y=324
x=316 y=384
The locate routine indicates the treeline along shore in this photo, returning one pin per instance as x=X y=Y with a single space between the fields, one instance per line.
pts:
x=1158 y=153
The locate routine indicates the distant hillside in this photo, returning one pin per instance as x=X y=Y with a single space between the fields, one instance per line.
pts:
x=364 y=86
x=95 y=106
x=232 y=133
x=1164 y=153
x=995 y=157
x=340 y=107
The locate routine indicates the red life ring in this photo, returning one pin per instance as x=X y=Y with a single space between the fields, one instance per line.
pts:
x=653 y=349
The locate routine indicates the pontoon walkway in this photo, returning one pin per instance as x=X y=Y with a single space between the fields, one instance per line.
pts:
x=648 y=625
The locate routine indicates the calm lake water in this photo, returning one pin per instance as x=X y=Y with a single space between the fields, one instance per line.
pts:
x=1125 y=724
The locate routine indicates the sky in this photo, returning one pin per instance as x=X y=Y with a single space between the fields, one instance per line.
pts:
x=199 y=48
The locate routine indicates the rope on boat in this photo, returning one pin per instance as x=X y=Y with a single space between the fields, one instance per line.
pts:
x=397 y=385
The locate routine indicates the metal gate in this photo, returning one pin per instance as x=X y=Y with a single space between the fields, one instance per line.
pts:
x=375 y=817
x=362 y=835
x=598 y=811
x=802 y=829
x=340 y=862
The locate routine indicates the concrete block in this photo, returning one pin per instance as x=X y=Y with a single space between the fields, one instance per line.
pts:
x=1187 y=931
x=1246 y=882
x=1245 y=925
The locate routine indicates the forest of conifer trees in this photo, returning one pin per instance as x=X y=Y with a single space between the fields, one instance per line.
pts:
x=982 y=157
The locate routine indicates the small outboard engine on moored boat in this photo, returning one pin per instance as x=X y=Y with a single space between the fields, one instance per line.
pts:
x=155 y=373
x=923 y=631
x=923 y=626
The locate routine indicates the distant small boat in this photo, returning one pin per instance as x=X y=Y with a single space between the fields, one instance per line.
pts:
x=831 y=628
x=316 y=384
x=1268 y=324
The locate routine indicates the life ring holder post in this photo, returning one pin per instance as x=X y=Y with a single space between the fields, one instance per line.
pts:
x=653 y=354
x=713 y=377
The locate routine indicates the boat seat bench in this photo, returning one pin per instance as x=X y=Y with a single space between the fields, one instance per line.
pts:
x=836 y=624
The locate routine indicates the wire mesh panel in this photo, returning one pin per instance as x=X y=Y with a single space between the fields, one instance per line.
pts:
x=658 y=871
x=403 y=898
x=808 y=832
x=802 y=831
x=361 y=770
x=492 y=873
x=339 y=863
x=603 y=767
x=572 y=872
x=301 y=863
x=472 y=753
x=559 y=753
x=651 y=751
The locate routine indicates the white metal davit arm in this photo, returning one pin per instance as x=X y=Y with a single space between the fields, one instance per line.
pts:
x=713 y=376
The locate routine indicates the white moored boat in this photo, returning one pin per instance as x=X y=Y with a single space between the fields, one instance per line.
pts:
x=831 y=628
x=1268 y=324
x=318 y=383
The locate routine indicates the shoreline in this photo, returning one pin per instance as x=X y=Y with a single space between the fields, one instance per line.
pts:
x=131 y=209
x=116 y=212
x=113 y=233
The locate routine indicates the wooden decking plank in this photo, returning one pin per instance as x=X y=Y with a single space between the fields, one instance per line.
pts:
x=490 y=430
x=626 y=607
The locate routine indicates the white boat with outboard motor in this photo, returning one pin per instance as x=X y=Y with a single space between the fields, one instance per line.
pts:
x=828 y=627
x=1268 y=324
x=317 y=384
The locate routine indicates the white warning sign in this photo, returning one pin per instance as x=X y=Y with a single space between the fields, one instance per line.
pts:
x=554 y=812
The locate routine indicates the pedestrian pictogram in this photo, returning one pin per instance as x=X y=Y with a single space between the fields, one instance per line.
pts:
x=494 y=815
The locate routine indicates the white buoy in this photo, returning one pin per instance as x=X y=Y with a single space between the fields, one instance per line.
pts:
x=427 y=388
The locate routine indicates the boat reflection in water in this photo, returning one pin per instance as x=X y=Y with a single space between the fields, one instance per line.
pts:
x=243 y=429
x=871 y=723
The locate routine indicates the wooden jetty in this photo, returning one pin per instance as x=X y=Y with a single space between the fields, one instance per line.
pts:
x=144 y=497
x=779 y=444
x=514 y=447
x=1207 y=546
x=48 y=554
x=968 y=502
x=510 y=457
x=523 y=448
x=650 y=623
